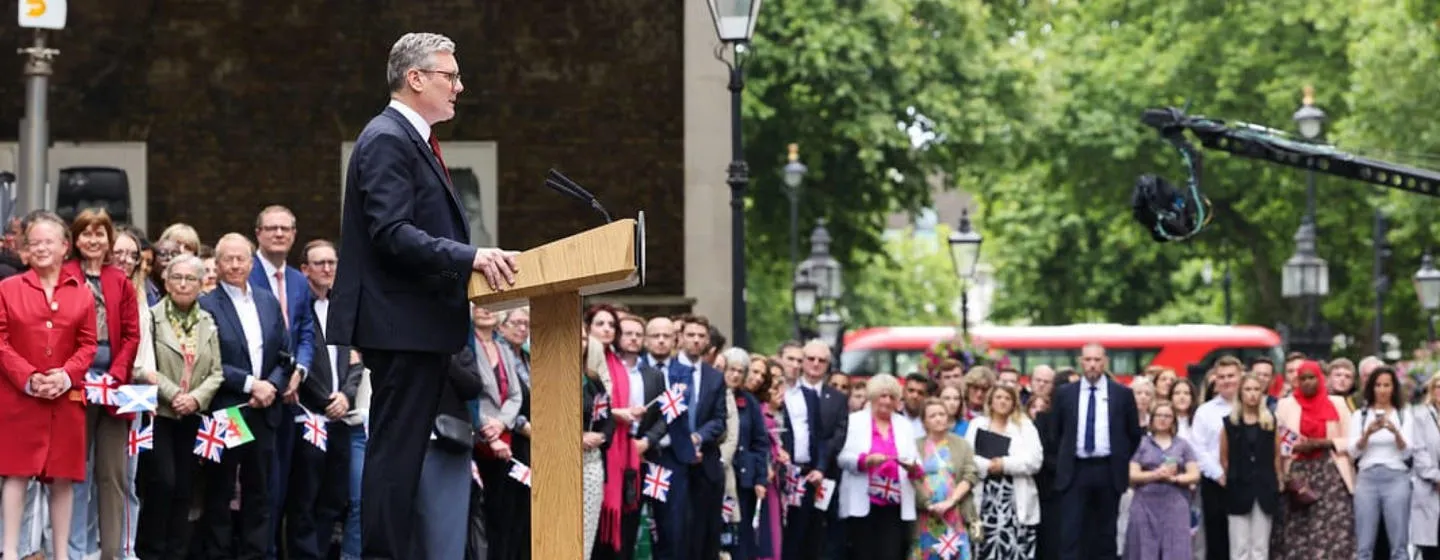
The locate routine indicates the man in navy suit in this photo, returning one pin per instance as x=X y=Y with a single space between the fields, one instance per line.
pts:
x=1096 y=428
x=253 y=341
x=275 y=229
x=707 y=420
x=399 y=294
x=818 y=415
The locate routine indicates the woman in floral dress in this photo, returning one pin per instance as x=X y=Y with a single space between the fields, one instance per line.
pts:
x=944 y=492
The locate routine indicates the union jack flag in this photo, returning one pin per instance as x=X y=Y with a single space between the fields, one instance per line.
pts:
x=600 y=409
x=210 y=440
x=728 y=511
x=672 y=403
x=887 y=489
x=315 y=431
x=796 y=495
x=949 y=545
x=1288 y=439
x=657 y=482
x=141 y=439
x=99 y=388
x=520 y=472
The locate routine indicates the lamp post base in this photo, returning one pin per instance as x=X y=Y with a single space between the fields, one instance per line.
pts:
x=1314 y=341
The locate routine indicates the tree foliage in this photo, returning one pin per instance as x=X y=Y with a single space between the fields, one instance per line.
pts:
x=1034 y=108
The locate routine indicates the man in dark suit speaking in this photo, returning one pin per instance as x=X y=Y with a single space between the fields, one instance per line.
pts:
x=399 y=295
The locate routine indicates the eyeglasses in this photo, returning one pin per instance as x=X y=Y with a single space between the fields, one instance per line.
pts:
x=454 y=77
x=276 y=229
x=821 y=359
x=178 y=278
x=327 y=263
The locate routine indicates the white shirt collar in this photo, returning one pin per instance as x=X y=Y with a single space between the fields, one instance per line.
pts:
x=413 y=118
x=1099 y=383
x=265 y=264
x=237 y=292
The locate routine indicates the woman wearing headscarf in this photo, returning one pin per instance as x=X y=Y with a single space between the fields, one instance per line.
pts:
x=1318 y=476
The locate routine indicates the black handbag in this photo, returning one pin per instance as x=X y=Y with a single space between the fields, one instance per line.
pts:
x=630 y=491
x=453 y=434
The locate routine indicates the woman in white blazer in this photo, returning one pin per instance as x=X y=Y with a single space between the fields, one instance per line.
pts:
x=877 y=500
x=1424 y=478
x=1008 y=500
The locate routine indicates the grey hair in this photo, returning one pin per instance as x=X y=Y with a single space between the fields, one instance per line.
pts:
x=185 y=259
x=735 y=355
x=882 y=384
x=411 y=51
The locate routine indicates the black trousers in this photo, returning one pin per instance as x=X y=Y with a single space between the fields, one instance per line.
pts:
x=803 y=534
x=1216 y=521
x=318 y=490
x=1088 y=510
x=882 y=535
x=707 y=497
x=164 y=482
x=253 y=461
x=406 y=394
x=1047 y=536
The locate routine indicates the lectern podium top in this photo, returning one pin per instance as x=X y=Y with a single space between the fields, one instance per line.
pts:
x=604 y=259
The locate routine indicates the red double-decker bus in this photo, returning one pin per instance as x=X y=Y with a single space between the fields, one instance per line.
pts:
x=901 y=350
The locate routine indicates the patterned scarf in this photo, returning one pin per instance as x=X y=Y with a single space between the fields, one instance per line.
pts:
x=182 y=322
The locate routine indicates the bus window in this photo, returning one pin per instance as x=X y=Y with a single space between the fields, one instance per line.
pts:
x=1130 y=361
x=1245 y=355
x=907 y=362
x=1027 y=360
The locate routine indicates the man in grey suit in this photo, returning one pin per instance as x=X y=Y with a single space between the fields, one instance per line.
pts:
x=319 y=479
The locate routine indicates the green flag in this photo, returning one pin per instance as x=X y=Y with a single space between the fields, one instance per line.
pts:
x=239 y=432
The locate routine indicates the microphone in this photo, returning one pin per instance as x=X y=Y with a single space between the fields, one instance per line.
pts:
x=559 y=182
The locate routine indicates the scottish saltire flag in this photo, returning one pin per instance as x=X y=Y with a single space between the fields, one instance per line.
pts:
x=315 y=432
x=141 y=439
x=520 y=472
x=99 y=388
x=887 y=489
x=949 y=545
x=657 y=482
x=210 y=440
x=672 y=403
x=136 y=398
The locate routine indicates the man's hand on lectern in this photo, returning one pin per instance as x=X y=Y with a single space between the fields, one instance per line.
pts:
x=496 y=264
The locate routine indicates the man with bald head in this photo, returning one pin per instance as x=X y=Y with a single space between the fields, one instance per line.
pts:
x=659 y=343
x=254 y=350
x=1042 y=380
x=819 y=415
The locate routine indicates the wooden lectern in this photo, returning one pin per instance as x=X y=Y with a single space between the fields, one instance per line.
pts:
x=553 y=277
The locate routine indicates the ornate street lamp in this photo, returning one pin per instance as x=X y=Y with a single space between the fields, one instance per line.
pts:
x=1306 y=276
x=820 y=267
x=1427 y=286
x=831 y=327
x=794 y=177
x=965 y=254
x=803 y=293
x=734 y=25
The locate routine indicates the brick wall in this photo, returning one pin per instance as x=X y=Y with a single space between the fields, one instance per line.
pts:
x=243 y=104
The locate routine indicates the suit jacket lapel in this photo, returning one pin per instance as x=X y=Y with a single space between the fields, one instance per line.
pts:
x=232 y=317
x=263 y=312
x=423 y=146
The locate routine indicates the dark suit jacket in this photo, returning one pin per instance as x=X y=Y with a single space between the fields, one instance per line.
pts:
x=303 y=335
x=1067 y=425
x=316 y=389
x=710 y=420
x=235 y=351
x=752 y=450
x=405 y=258
x=652 y=425
x=834 y=421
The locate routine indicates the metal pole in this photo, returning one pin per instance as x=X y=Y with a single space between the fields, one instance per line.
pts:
x=1229 y=309
x=35 y=133
x=965 y=313
x=1382 y=283
x=1431 y=323
x=1309 y=220
x=794 y=194
x=738 y=178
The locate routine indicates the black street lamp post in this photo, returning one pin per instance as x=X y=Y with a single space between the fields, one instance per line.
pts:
x=818 y=287
x=794 y=178
x=735 y=25
x=1306 y=276
x=965 y=254
x=1427 y=286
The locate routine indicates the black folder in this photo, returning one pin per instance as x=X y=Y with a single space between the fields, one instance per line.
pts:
x=990 y=445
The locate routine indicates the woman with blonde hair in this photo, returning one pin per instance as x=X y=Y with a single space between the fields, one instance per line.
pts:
x=1009 y=501
x=1247 y=453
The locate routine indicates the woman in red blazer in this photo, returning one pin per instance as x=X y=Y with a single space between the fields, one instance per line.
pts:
x=100 y=502
x=47 y=342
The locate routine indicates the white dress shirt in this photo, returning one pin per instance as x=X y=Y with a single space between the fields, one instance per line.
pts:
x=799 y=411
x=249 y=316
x=322 y=313
x=1381 y=450
x=1206 y=430
x=637 y=392
x=1102 y=418
x=413 y=117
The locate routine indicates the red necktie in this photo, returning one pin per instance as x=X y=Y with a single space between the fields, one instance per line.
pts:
x=435 y=147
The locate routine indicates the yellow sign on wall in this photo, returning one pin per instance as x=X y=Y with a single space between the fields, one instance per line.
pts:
x=43 y=14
